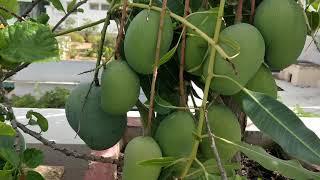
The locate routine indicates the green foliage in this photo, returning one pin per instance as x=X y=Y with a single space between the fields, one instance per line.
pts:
x=32 y=157
x=55 y=98
x=20 y=37
x=284 y=127
x=57 y=4
x=39 y=119
x=33 y=175
x=6 y=130
x=11 y=5
x=76 y=37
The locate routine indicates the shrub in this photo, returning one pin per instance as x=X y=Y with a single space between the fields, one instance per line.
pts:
x=55 y=98
x=24 y=101
x=77 y=37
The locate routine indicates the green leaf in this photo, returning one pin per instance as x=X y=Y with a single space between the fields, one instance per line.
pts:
x=71 y=5
x=11 y=156
x=314 y=19
x=289 y=168
x=32 y=157
x=2 y=118
x=6 y=130
x=10 y=5
x=6 y=175
x=40 y=119
x=282 y=125
x=28 y=42
x=57 y=4
x=33 y=175
x=43 y=18
x=163 y=161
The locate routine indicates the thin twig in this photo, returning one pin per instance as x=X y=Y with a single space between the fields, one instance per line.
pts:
x=74 y=9
x=100 y=66
x=182 y=60
x=28 y=11
x=253 y=7
x=80 y=28
x=155 y=67
x=121 y=29
x=238 y=17
x=215 y=150
x=14 y=71
x=66 y=151
x=101 y=44
x=12 y=13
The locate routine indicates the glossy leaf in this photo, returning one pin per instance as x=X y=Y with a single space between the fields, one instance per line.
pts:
x=32 y=157
x=57 y=4
x=11 y=156
x=282 y=125
x=314 y=19
x=169 y=54
x=71 y=5
x=40 y=119
x=33 y=175
x=289 y=168
x=6 y=130
x=28 y=42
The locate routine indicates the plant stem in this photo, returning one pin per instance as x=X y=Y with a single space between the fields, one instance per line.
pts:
x=75 y=8
x=80 y=28
x=155 y=67
x=215 y=150
x=206 y=90
x=120 y=33
x=182 y=60
x=253 y=7
x=191 y=26
x=14 y=71
x=11 y=13
x=101 y=44
x=34 y=3
x=238 y=17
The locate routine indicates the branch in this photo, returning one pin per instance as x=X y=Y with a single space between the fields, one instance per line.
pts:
x=14 y=71
x=155 y=67
x=75 y=8
x=12 y=13
x=101 y=45
x=215 y=150
x=182 y=60
x=120 y=32
x=80 y=28
x=238 y=17
x=66 y=151
x=28 y=11
x=253 y=6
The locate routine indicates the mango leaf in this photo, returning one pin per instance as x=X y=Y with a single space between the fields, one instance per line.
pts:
x=282 y=125
x=43 y=18
x=10 y=156
x=32 y=157
x=163 y=161
x=314 y=19
x=28 y=42
x=33 y=175
x=289 y=168
x=71 y=5
x=2 y=118
x=40 y=119
x=169 y=54
x=57 y=4
x=6 y=130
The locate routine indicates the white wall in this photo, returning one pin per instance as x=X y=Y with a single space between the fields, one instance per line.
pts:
x=92 y=15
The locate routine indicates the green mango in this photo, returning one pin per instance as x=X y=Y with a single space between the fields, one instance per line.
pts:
x=246 y=64
x=98 y=129
x=175 y=134
x=141 y=40
x=140 y=149
x=224 y=124
x=197 y=49
x=120 y=88
x=283 y=27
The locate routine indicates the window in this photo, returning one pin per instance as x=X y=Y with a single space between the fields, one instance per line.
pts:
x=104 y=7
x=94 y=6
